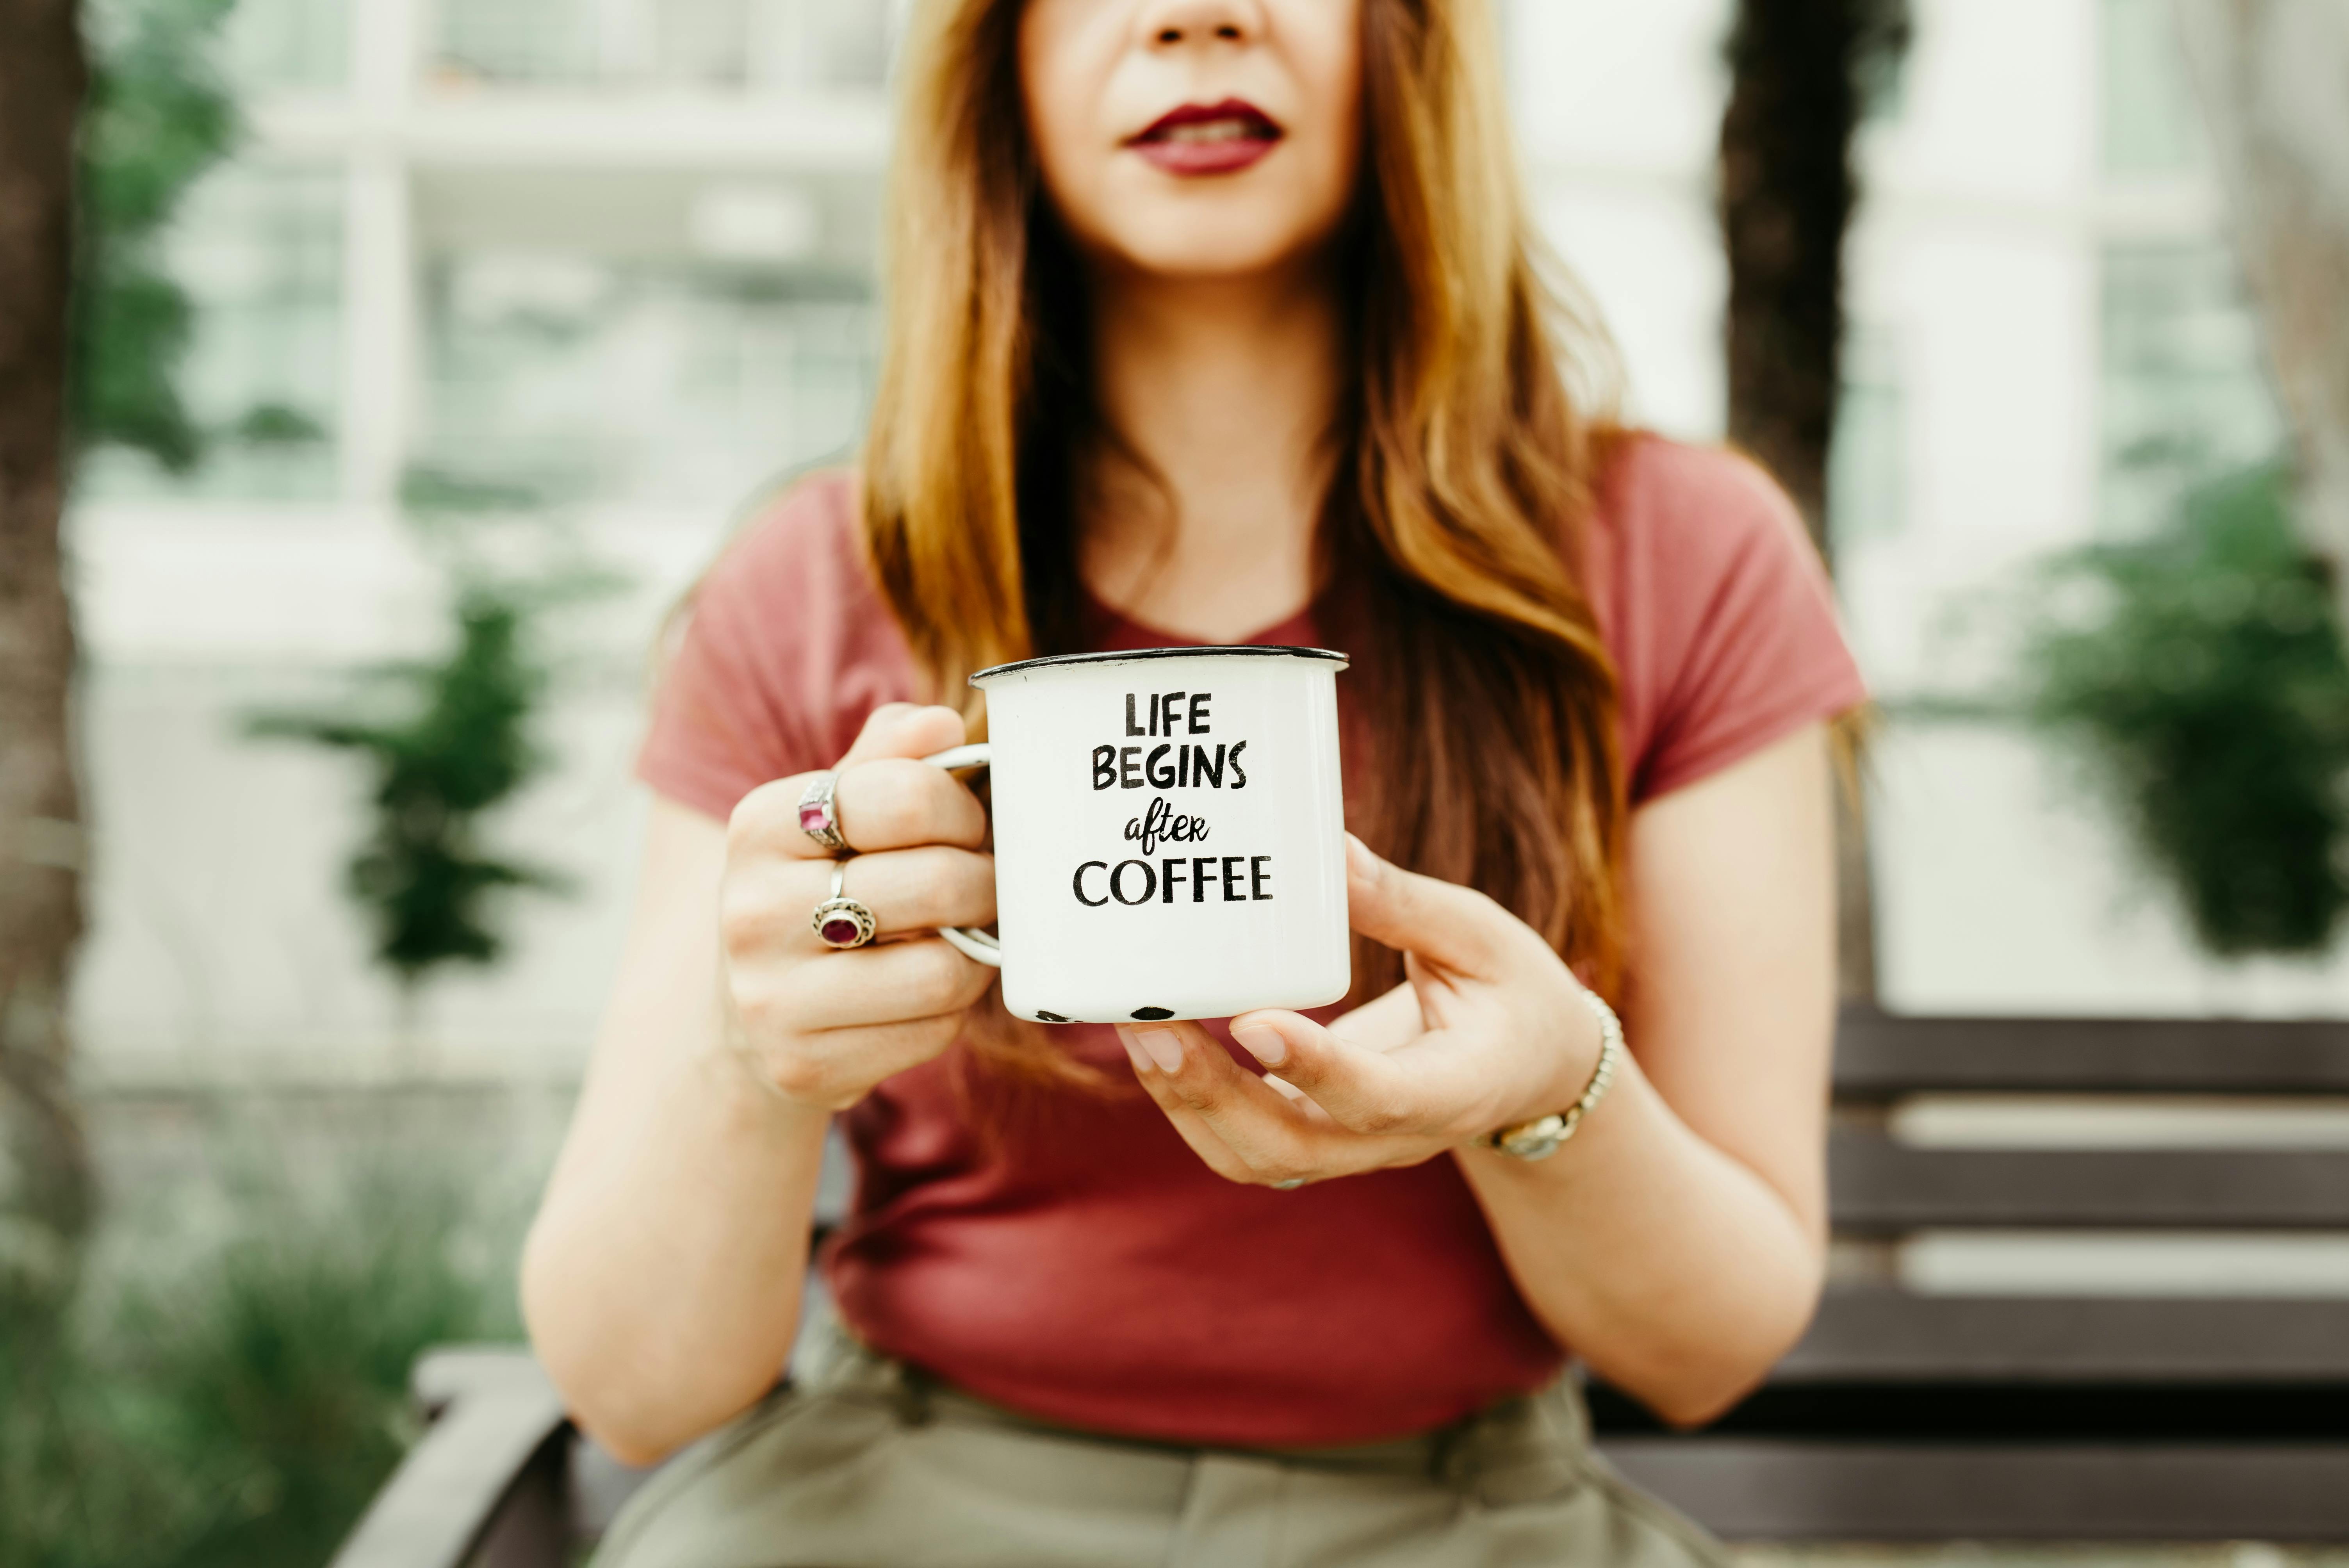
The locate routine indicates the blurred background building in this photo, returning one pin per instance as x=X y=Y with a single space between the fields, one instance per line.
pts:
x=615 y=257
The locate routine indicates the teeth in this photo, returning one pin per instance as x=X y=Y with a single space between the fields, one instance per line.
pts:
x=1211 y=131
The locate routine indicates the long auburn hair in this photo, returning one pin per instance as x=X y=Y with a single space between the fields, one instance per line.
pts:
x=1469 y=437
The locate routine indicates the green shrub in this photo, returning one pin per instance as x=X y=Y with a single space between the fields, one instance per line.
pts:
x=157 y=120
x=457 y=744
x=242 y=1412
x=2202 y=674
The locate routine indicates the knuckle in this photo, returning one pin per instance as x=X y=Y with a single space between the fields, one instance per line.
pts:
x=1205 y=1098
x=1484 y=905
x=742 y=923
x=764 y=1015
x=756 y=813
x=886 y=716
x=760 y=908
x=1378 y=1116
x=798 y=1076
x=1272 y=1169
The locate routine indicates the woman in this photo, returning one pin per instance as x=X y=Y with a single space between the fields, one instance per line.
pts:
x=1217 y=321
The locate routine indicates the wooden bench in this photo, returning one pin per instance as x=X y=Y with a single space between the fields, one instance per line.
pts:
x=1900 y=1416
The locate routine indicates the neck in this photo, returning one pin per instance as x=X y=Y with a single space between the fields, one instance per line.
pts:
x=1226 y=391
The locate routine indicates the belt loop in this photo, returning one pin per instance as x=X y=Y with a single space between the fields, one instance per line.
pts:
x=909 y=1394
x=1453 y=1451
x=1538 y=1447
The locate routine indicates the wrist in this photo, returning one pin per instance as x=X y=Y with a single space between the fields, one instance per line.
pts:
x=751 y=1093
x=1543 y=1132
x=1584 y=1022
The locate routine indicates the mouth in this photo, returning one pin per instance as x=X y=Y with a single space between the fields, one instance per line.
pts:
x=1209 y=139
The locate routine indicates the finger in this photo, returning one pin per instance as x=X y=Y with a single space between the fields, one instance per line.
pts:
x=870 y=1052
x=902 y=729
x=887 y=803
x=834 y=1067
x=1392 y=1021
x=889 y=983
x=1365 y=1091
x=1455 y=927
x=768 y=906
x=1187 y=1123
x=1272 y=1137
x=769 y=816
x=1211 y=1150
x=892 y=802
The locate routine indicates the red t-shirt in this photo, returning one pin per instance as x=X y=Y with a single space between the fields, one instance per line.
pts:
x=1086 y=1267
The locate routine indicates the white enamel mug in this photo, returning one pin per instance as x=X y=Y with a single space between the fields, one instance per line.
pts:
x=1169 y=833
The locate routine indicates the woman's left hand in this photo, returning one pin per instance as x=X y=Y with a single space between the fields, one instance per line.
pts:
x=1489 y=1029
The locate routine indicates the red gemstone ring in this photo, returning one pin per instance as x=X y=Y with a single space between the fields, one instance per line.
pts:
x=840 y=921
x=817 y=819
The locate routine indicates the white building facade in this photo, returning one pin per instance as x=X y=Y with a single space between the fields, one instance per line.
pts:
x=616 y=255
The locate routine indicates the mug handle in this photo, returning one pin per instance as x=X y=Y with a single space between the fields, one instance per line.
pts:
x=973 y=944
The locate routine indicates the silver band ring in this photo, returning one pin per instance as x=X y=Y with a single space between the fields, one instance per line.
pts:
x=1291 y=1185
x=818 y=821
x=840 y=921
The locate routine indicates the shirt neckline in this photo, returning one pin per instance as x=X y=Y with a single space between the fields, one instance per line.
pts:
x=1295 y=630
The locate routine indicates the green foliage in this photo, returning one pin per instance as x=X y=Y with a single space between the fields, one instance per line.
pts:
x=241 y=1414
x=158 y=118
x=460 y=748
x=276 y=425
x=1879 y=55
x=2204 y=678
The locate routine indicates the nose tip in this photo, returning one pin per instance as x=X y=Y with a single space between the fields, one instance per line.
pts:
x=1176 y=34
x=1198 y=21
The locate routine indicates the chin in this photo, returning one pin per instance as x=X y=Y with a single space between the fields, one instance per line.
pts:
x=1202 y=243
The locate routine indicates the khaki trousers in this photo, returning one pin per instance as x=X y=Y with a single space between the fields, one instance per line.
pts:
x=871 y=1463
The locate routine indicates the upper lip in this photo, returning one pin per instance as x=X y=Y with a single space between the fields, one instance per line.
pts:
x=1200 y=113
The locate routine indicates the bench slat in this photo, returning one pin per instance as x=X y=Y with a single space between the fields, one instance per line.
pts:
x=1880 y=1055
x=1766 y=1490
x=501 y=1416
x=1878 y=1186
x=1878 y=1333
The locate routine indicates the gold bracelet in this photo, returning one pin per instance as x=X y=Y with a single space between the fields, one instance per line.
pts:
x=1540 y=1138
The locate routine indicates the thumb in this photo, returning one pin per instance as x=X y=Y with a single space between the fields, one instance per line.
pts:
x=1449 y=926
x=902 y=729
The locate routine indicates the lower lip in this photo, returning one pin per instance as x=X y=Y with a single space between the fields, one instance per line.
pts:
x=1193 y=157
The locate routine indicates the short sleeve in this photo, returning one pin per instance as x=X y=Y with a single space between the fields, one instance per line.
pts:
x=786 y=648
x=1718 y=610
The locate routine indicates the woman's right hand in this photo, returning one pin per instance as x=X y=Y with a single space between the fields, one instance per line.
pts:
x=820 y=1025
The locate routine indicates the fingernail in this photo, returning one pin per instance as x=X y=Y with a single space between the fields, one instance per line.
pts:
x=1125 y=1039
x=1359 y=858
x=1264 y=1043
x=1166 y=1047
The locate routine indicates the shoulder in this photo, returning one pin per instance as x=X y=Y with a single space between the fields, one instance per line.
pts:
x=1674 y=503
x=1716 y=606
x=793 y=586
x=802 y=539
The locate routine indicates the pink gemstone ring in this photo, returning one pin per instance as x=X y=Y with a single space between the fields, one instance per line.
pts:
x=817 y=819
x=840 y=921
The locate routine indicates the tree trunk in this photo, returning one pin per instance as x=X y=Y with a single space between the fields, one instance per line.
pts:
x=2273 y=76
x=46 y=1190
x=1799 y=76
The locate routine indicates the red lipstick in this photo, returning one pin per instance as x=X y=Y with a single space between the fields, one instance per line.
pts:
x=1209 y=139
